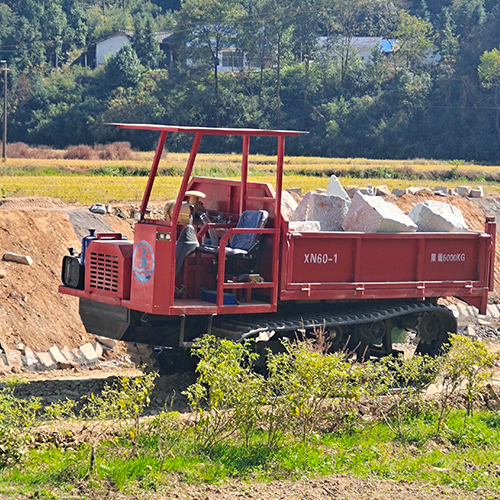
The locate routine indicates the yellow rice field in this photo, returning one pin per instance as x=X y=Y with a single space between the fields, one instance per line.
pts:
x=256 y=162
x=108 y=189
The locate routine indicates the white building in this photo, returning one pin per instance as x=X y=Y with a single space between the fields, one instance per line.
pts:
x=99 y=51
x=363 y=45
x=111 y=45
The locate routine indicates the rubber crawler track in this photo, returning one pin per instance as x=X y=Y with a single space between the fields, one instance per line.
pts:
x=239 y=328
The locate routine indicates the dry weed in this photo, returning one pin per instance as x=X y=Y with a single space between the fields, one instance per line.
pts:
x=23 y=150
x=115 y=151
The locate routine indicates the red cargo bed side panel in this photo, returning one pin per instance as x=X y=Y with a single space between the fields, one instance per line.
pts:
x=451 y=258
x=383 y=259
x=315 y=259
x=341 y=265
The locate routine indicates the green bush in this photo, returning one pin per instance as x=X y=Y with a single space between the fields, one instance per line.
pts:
x=121 y=404
x=169 y=430
x=465 y=367
x=312 y=384
x=396 y=386
x=17 y=418
x=228 y=394
x=304 y=389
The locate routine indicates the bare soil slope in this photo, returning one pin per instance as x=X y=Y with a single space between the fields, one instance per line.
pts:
x=32 y=312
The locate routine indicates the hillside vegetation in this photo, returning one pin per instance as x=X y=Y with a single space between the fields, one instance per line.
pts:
x=436 y=95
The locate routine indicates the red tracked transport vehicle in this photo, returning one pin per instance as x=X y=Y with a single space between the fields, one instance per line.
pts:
x=231 y=266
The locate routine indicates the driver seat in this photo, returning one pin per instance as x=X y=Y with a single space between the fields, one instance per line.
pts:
x=243 y=246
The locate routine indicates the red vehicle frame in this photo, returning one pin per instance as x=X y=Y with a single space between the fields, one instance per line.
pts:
x=300 y=266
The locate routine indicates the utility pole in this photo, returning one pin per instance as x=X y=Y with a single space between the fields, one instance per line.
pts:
x=4 y=142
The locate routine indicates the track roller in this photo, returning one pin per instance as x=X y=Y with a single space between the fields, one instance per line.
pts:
x=431 y=332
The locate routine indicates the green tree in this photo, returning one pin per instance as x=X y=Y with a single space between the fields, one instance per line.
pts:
x=265 y=35
x=489 y=69
x=447 y=39
x=306 y=22
x=489 y=76
x=414 y=40
x=346 y=19
x=467 y=15
x=254 y=36
x=8 y=22
x=140 y=104
x=280 y=29
x=77 y=29
x=54 y=25
x=144 y=41
x=210 y=27
x=124 y=67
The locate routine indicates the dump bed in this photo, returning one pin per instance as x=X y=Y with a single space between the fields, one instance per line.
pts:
x=352 y=265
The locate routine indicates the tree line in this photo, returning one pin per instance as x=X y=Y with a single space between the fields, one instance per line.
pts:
x=436 y=94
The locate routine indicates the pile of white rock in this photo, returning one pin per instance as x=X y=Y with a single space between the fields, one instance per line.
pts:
x=334 y=210
x=22 y=358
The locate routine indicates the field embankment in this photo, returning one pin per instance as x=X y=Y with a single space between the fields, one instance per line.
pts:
x=89 y=180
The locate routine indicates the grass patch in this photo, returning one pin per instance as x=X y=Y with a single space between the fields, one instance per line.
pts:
x=370 y=451
x=112 y=450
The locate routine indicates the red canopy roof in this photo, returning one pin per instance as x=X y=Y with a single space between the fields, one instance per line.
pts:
x=209 y=130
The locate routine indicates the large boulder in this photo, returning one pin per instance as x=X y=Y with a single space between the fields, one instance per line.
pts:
x=335 y=189
x=328 y=210
x=436 y=216
x=372 y=214
x=288 y=205
x=304 y=226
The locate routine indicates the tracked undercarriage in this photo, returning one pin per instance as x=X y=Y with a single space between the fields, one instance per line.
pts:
x=368 y=331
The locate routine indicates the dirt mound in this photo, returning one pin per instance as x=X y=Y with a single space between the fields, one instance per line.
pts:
x=474 y=210
x=31 y=202
x=32 y=312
